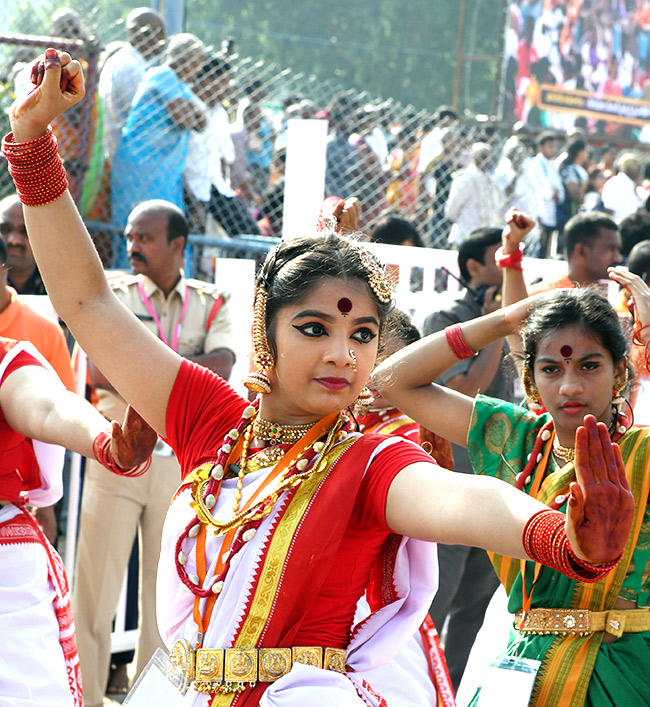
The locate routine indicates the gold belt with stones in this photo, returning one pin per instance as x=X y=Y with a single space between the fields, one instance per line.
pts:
x=583 y=622
x=229 y=670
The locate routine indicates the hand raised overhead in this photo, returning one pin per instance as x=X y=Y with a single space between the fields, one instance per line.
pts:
x=518 y=226
x=639 y=293
x=58 y=85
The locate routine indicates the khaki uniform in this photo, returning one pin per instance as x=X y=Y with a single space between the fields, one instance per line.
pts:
x=114 y=507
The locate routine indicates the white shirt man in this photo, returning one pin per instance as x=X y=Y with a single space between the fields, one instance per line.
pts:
x=545 y=175
x=118 y=82
x=124 y=70
x=620 y=193
x=475 y=198
x=208 y=151
x=211 y=149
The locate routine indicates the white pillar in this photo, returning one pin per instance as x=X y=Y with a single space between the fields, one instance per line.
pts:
x=304 y=182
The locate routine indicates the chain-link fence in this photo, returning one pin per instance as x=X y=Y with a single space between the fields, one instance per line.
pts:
x=207 y=131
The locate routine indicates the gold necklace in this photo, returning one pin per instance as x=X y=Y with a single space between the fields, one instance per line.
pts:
x=248 y=436
x=564 y=454
x=274 y=433
x=263 y=507
x=264 y=457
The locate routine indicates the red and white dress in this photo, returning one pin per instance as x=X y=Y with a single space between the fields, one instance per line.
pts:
x=298 y=580
x=39 y=665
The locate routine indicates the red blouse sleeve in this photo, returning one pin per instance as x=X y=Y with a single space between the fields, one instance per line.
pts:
x=384 y=467
x=21 y=359
x=201 y=409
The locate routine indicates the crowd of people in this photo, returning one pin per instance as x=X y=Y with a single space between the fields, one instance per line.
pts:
x=598 y=46
x=174 y=108
x=293 y=533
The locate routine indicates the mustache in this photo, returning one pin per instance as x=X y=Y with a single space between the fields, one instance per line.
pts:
x=138 y=256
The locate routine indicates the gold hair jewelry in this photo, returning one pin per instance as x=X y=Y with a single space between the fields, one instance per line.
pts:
x=258 y=381
x=564 y=454
x=274 y=433
x=353 y=365
x=377 y=278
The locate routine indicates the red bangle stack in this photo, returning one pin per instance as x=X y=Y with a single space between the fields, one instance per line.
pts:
x=510 y=260
x=545 y=541
x=36 y=168
x=103 y=454
x=457 y=343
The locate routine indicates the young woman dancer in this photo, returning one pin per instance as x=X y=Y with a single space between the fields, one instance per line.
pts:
x=593 y=639
x=285 y=515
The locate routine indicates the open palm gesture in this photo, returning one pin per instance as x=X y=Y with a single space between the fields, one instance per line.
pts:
x=601 y=506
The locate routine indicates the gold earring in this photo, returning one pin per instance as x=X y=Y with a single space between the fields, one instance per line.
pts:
x=617 y=393
x=258 y=381
x=364 y=401
x=535 y=401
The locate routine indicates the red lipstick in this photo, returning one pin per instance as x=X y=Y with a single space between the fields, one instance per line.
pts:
x=333 y=383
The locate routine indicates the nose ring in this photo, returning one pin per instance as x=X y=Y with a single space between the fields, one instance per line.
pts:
x=353 y=365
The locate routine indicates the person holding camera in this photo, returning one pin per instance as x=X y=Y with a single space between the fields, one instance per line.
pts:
x=467 y=580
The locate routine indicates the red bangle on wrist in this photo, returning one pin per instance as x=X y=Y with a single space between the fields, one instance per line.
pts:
x=36 y=168
x=457 y=343
x=510 y=260
x=545 y=541
x=635 y=337
x=103 y=454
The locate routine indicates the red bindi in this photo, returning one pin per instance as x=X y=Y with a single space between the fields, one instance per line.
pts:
x=344 y=305
x=566 y=351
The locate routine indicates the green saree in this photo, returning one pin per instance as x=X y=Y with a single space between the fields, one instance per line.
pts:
x=575 y=670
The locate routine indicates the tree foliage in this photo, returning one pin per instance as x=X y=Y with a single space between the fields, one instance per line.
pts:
x=405 y=50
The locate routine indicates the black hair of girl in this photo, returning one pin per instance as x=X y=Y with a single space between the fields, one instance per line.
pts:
x=578 y=307
x=294 y=267
x=399 y=326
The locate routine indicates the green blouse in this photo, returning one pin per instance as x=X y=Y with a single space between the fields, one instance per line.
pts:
x=500 y=440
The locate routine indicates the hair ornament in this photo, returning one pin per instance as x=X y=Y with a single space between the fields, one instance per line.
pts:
x=377 y=277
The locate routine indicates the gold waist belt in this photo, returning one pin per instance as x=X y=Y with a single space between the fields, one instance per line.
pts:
x=228 y=670
x=583 y=622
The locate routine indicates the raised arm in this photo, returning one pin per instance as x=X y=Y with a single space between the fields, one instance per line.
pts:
x=405 y=378
x=509 y=257
x=518 y=226
x=637 y=289
x=140 y=367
